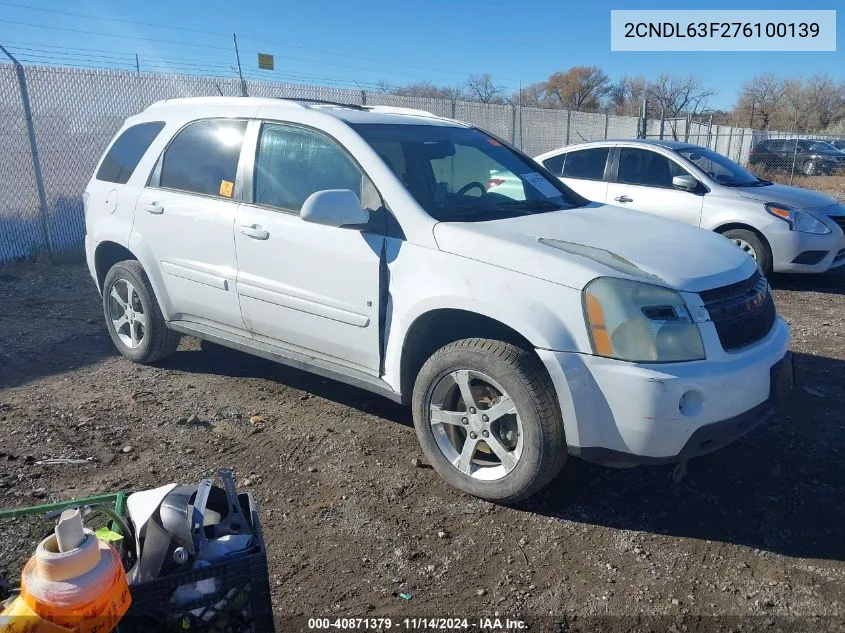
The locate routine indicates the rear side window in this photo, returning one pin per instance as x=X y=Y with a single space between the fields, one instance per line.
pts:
x=126 y=152
x=586 y=163
x=293 y=163
x=555 y=164
x=203 y=158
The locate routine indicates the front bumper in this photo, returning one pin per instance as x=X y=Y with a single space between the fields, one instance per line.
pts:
x=788 y=245
x=620 y=413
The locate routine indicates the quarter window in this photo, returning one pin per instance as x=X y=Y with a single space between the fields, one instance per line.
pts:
x=203 y=158
x=586 y=163
x=126 y=152
x=555 y=164
x=293 y=163
x=643 y=167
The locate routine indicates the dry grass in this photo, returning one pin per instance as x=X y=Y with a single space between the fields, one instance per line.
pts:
x=831 y=185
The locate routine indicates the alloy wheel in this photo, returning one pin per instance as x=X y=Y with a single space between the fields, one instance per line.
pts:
x=476 y=425
x=745 y=246
x=127 y=314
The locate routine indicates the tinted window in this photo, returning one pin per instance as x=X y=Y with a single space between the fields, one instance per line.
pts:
x=293 y=163
x=650 y=169
x=586 y=163
x=720 y=168
x=127 y=151
x=203 y=158
x=555 y=164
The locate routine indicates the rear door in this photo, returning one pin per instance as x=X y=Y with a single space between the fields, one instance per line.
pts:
x=644 y=183
x=184 y=221
x=584 y=170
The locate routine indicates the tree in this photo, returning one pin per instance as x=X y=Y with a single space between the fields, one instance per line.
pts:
x=482 y=88
x=672 y=95
x=429 y=90
x=760 y=97
x=825 y=99
x=532 y=96
x=627 y=95
x=579 y=88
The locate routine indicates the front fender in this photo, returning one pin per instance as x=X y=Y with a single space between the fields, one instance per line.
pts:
x=548 y=315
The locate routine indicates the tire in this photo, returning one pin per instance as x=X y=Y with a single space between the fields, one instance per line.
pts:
x=537 y=419
x=762 y=254
x=809 y=168
x=146 y=323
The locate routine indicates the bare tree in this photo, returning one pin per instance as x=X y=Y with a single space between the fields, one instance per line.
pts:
x=481 y=87
x=825 y=99
x=579 y=88
x=674 y=95
x=626 y=96
x=532 y=96
x=383 y=86
x=760 y=96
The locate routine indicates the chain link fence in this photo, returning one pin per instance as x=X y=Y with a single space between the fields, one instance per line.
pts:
x=74 y=113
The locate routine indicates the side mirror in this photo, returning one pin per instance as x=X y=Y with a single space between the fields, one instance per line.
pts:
x=334 y=207
x=685 y=182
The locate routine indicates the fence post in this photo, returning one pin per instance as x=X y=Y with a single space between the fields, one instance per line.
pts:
x=513 y=125
x=730 y=139
x=363 y=98
x=33 y=146
x=662 y=121
x=568 y=119
x=686 y=130
x=606 y=120
x=741 y=143
x=453 y=109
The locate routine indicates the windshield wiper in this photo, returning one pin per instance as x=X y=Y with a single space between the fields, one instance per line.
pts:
x=531 y=205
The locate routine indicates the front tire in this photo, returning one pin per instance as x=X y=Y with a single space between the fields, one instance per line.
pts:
x=133 y=316
x=754 y=246
x=809 y=168
x=488 y=420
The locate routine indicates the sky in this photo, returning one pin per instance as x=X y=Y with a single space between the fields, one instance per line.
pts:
x=367 y=41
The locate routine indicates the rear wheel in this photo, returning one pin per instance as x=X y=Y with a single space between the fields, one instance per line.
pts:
x=133 y=316
x=809 y=168
x=753 y=245
x=487 y=418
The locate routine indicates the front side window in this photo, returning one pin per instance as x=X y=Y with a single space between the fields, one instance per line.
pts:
x=292 y=163
x=720 y=168
x=460 y=174
x=646 y=168
x=126 y=152
x=203 y=158
x=587 y=164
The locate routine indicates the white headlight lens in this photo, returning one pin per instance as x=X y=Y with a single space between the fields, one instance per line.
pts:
x=640 y=322
x=806 y=223
x=798 y=220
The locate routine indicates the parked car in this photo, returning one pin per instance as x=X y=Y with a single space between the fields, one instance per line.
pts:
x=363 y=245
x=810 y=158
x=785 y=229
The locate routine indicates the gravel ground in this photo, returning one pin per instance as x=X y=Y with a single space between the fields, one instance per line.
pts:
x=351 y=521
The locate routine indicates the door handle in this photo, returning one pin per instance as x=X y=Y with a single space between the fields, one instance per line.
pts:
x=623 y=199
x=154 y=207
x=255 y=232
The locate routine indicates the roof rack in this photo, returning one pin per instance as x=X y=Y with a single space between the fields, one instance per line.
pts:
x=354 y=106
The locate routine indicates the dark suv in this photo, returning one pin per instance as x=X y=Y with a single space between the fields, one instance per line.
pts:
x=810 y=158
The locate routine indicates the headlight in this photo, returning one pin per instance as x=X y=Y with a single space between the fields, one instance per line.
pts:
x=798 y=220
x=640 y=322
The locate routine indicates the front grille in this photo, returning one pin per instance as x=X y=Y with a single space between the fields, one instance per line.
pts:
x=743 y=312
x=839 y=219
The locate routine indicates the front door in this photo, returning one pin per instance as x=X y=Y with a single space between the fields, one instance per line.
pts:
x=644 y=183
x=305 y=286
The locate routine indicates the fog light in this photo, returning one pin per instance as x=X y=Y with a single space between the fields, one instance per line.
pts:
x=690 y=403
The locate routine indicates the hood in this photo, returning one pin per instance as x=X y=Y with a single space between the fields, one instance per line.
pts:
x=573 y=247
x=794 y=197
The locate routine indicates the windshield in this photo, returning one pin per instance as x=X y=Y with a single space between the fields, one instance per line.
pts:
x=720 y=168
x=460 y=174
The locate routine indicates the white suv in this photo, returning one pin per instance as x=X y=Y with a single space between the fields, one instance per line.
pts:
x=364 y=245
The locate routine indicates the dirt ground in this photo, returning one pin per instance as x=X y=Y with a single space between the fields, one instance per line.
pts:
x=755 y=530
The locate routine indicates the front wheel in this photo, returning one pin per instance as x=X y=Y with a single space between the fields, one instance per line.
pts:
x=488 y=420
x=133 y=316
x=752 y=245
x=809 y=168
